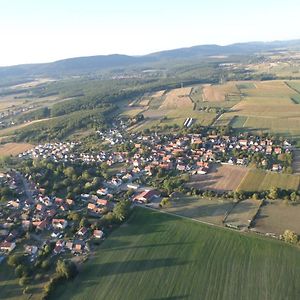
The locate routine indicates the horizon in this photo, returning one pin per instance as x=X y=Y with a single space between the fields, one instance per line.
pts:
x=147 y=53
x=34 y=32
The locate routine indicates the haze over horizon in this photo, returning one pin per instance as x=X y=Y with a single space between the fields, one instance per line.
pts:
x=35 y=32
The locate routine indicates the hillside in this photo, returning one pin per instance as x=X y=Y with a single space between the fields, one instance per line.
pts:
x=86 y=65
x=157 y=256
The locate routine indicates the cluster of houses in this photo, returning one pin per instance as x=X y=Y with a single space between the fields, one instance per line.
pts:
x=190 y=153
x=7 y=116
x=46 y=218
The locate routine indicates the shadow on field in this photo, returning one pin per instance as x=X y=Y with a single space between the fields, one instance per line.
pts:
x=149 y=246
x=10 y=291
x=122 y=267
x=210 y=210
x=171 y=298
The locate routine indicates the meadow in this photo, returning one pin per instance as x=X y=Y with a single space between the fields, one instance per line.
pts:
x=158 y=256
x=259 y=180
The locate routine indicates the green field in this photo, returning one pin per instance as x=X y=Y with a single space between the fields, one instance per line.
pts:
x=238 y=121
x=158 y=256
x=259 y=180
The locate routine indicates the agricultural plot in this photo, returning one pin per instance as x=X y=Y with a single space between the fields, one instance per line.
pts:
x=296 y=162
x=242 y=214
x=259 y=180
x=209 y=210
x=268 y=107
x=217 y=93
x=220 y=178
x=276 y=216
x=238 y=121
x=158 y=256
x=178 y=99
x=14 y=148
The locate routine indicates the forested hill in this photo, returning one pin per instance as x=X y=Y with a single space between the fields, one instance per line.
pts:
x=86 y=65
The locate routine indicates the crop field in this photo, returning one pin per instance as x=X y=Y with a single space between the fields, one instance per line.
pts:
x=242 y=213
x=216 y=93
x=220 y=178
x=267 y=106
x=277 y=216
x=259 y=180
x=296 y=161
x=209 y=210
x=245 y=85
x=156 y=99
x=14 y=148
x=158 y=256
x=178 y=99
x=238 y=121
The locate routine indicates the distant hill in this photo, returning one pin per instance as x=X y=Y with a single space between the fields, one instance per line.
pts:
x=91 y=64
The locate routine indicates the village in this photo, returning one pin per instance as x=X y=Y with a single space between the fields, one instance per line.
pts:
x=34 y=220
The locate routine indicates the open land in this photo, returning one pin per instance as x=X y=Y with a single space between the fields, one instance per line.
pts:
x=155 y=248
x=209 y=210
x=220 y=178
x=276 y=216
x=259 y=180
x=14 y=148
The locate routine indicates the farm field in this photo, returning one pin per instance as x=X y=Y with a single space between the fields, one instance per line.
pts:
x=220 y=178
x=267 y=106
x=14 y=148
x=178 y=99
x=242 y=213
x=217 y=93
x=193 y=261
x=296 y=162
x=259 y=180
x=209 y=210
x=276 y=216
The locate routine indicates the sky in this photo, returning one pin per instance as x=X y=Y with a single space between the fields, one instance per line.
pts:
x=33 y=31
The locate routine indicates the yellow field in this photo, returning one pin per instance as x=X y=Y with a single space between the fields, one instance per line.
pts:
x=178 y=98
x=217 y=93
x=14 y=148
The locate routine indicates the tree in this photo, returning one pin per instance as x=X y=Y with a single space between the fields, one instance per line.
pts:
x=66 y=269
x=121 y=210
x=290 y=236
x=15 y=260
x=165 y=202
x=273 y=193
x=294 y=197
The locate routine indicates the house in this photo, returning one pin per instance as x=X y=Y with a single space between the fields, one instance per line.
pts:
x=102 y=202
x=98 y=234
x=58 y=249
x=78 y=246
x=82 y=231
x=31 y=250
x=59 y=223
x=7 y=246
x=146 y=196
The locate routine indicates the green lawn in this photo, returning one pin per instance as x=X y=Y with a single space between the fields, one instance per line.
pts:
x=158 y=256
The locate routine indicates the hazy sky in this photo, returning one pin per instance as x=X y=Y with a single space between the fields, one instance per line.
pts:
x=46 y=30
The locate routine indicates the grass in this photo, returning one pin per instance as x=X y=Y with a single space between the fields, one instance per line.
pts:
x=238 y=121
x=259 y=180
x=245 y=85
x=158 y=256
